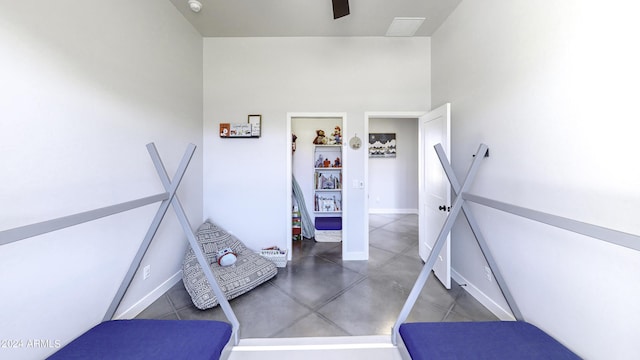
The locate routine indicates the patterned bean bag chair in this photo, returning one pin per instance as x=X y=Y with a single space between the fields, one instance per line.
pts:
x=249 y=270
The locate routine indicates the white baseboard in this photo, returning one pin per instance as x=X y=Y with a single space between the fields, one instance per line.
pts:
x=393 y=211
x=355 y=255
x=150 y=298
x=495 y=308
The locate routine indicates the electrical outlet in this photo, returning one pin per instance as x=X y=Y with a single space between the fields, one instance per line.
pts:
x=487 y=272
x=146 y=272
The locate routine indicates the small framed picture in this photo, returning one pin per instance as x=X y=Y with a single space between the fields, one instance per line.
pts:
x=255 y=122
x=225 y=129
x=382 y=145
x=240 y=130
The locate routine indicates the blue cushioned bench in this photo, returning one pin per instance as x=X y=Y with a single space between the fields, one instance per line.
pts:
x=481 y=340
x=328 y=223
x=149 y=339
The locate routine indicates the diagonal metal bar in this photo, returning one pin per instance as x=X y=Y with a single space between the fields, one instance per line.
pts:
x=437 y=247
x=193 y=242
x=475 y=228
x=598 y=232
x=27 y=231
x=151 y=232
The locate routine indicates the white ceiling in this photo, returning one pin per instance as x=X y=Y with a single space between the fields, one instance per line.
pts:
x=251 y=18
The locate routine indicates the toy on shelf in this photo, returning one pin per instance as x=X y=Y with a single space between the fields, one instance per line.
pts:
x=320 y=139
x=336 y=136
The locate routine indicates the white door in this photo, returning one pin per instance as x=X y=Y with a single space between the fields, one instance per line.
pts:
x=435 y=190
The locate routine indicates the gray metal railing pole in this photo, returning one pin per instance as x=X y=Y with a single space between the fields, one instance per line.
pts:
x=475 y=228
x=31 y=230
x=193 y=242
x=437 y=247
x=151 y=232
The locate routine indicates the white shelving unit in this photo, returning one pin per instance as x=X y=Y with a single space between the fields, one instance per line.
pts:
x=327 y=180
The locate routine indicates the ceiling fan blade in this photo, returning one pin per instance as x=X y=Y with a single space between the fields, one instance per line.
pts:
x=340 y=8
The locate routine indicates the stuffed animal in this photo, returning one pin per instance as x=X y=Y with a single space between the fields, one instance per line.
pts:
x=337 y=135
x=320 y=139
x=226 y=257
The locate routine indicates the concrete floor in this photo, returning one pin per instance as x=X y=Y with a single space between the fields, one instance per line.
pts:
x=319 y=295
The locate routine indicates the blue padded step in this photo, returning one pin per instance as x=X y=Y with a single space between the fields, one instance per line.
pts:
x=149 y=339
x=329 y=223
x=481 y=340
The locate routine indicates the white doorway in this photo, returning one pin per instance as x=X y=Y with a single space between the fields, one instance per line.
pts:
x=369 y=116
x=306 y=140
x=428 y=132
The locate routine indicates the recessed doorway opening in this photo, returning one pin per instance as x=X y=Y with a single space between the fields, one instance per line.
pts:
x=392 y=184
x=316 y=171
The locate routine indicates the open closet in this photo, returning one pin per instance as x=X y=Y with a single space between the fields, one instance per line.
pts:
x=317 y=176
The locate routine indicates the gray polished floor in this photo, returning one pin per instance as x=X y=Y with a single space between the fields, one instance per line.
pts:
x=319 y=294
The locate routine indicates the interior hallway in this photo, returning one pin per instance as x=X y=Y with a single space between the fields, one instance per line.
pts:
x=318 y=294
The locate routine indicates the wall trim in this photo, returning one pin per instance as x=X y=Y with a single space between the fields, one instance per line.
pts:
x=502 y=313
x=150 y=298
x=355 y=255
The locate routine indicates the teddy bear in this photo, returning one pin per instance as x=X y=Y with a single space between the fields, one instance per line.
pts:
x=320 y=139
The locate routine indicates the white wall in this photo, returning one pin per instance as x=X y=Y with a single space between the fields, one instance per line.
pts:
x=245 y=179
x=551 y=88
x=85 y=86
x=393 y=182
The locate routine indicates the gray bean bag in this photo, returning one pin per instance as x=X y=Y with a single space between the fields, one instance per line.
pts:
x=249 y=271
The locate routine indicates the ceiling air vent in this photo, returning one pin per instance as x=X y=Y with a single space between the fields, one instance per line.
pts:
x=404 y=26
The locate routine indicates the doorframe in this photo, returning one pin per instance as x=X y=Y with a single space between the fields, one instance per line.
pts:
x=289 y=175
x=368 y=115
